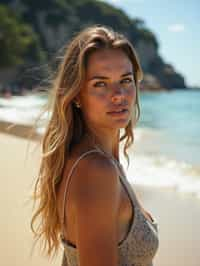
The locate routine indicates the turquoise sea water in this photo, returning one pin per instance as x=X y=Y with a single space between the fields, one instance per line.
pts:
x=176 y=115
x=167 y=137
x=168 y=150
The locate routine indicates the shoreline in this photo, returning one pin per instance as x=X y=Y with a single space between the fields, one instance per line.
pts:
x=25 y=131
x=18 y=130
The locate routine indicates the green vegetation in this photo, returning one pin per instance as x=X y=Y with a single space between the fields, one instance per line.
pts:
x=32 y=32
x=18 y=42
x=21 y=38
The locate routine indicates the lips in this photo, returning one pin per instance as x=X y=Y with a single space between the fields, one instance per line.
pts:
x=118 y=110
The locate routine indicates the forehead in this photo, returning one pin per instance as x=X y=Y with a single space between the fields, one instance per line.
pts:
x=108 y=61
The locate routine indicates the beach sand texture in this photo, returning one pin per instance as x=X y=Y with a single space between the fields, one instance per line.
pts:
x=178 y=215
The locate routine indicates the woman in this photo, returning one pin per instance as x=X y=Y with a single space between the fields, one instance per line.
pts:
x=84 y=197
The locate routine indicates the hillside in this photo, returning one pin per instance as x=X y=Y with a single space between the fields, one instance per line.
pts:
x=34 y=31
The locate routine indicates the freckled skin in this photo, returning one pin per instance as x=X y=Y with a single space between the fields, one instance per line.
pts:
x=98 y=96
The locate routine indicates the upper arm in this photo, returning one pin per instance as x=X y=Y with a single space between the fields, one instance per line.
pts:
x=96 y=201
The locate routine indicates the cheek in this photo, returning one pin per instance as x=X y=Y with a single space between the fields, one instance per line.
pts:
x=95 y=104
x=99 y=94
x=97 y=99
x=131 y=95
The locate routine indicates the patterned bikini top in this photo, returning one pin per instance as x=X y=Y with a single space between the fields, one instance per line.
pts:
x=139 y=246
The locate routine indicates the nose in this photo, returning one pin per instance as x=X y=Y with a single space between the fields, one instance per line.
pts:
x=118 y=95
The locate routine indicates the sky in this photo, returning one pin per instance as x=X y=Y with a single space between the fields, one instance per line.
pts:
x=176 y=24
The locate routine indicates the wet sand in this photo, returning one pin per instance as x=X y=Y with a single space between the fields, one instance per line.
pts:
x=178 y=215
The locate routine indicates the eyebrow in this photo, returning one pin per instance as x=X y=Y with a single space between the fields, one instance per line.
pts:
x=104 y=77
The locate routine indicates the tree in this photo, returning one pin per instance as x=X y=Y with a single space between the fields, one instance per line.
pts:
x=17 y=39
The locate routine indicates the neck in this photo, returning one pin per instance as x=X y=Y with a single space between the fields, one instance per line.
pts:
x=107 y=142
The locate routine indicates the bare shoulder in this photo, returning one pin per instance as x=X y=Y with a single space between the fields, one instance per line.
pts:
x=95 y=189
x=95 y=174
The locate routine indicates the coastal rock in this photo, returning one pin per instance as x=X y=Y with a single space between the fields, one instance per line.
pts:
x=150 y=83
x=146 y=52
x=55 y=23
x=166 y=74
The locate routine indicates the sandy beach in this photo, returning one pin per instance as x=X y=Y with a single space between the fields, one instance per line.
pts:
x=178 y=215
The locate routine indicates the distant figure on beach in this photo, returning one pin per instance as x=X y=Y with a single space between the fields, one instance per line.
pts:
x=85 y=202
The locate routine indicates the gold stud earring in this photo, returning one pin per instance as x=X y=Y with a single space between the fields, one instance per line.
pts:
x=77 y=104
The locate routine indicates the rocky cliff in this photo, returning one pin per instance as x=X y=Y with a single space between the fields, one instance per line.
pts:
x=55 y=22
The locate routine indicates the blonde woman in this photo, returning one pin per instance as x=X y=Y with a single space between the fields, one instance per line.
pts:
x=85 y=200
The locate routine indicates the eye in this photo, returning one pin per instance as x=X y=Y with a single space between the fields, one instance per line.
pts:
x=127 y=80
x=100 y=84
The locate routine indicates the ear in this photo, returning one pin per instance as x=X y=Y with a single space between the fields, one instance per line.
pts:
x=77 y=99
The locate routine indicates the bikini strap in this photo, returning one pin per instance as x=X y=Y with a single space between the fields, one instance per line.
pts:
x=67 y=185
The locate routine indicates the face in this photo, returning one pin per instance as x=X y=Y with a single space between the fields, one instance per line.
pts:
x=108 y=94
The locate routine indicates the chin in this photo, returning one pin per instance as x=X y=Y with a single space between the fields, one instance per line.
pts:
x=121 y=123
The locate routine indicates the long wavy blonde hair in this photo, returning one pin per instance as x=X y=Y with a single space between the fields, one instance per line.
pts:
x=66 y=126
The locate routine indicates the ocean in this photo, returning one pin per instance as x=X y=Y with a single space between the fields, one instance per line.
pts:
x=166 y=150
